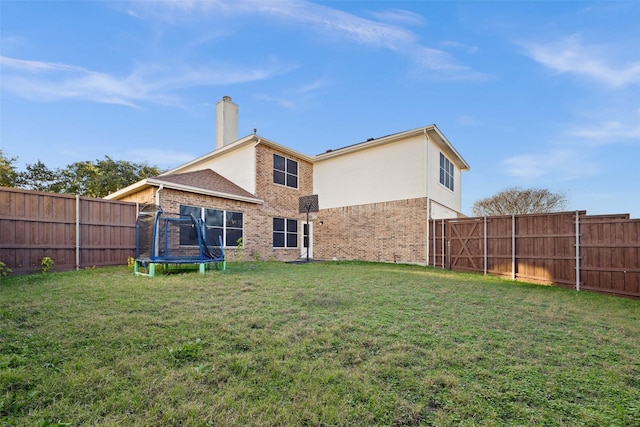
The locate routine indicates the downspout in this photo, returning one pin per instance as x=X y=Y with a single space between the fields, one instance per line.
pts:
x=426 y=180
x=158 y=191
x=255 y=167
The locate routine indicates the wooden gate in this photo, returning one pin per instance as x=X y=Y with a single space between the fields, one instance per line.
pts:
x=568 y=249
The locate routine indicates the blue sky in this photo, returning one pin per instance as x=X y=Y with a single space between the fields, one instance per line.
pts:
x=541 y=94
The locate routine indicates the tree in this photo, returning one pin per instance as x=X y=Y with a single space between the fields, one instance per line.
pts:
x=8 y=172
x=517 y=201
x=92 y=179
x=38 y=177
x=116 y=174
x=78 y=178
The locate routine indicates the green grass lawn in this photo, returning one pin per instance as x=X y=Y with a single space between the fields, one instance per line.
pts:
x=316 y=344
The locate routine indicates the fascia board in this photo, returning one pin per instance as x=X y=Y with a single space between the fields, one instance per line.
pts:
x=285 y=150
x=368 y=144
x=442 y=140
x=190 y=189
x=463 y=163
x=253 y=138
x=133 y=188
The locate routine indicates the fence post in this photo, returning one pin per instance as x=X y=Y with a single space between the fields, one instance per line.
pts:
x=77 y=232
x=443 y=250
x=578 y=251
x=485 y=245
x=513 y=247
x=435 y=243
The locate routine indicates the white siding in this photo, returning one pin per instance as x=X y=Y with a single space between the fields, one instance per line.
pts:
x=438 y=192
x=394 y=171
x=382 y=173
x=238 y=166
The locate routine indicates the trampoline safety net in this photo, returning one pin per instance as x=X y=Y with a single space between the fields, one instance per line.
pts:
x=174 y=239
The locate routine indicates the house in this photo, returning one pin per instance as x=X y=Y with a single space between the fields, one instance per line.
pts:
x=375 y=198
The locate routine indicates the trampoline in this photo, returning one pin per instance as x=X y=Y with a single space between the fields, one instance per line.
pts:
x=173 y=241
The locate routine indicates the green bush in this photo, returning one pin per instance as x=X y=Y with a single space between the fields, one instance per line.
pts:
x=4 y=270
x=46 y=264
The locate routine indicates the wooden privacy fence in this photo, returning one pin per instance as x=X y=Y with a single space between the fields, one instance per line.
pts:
x=75 y=232
x=570 y=249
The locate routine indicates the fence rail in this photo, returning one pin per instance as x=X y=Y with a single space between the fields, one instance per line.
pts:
x=569 y=249
x=75 y=232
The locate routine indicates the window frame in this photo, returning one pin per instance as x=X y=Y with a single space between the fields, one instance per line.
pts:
x=286 y=234
x=286 y=175
x=226 y=228
x=447 y=172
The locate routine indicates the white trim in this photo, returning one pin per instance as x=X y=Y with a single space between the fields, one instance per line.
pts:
x=443 y=143
x=198 y=190
x=133 y=188
x=238 y=144
x=151 y=182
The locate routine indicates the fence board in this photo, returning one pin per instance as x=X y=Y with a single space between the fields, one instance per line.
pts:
x=545 y=249
x=35 y=224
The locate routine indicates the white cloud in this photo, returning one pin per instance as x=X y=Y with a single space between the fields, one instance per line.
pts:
x=317 y=17
x=557 y=165
x=606 y=123
x=607 y=132
x=326 y=21
x=314 y=85
x=35 y=66
x=399 y=16
x=47 y=81
x=571 y=55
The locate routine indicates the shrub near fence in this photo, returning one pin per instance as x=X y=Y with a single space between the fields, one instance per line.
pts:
x=75 y=232
x=570 y=249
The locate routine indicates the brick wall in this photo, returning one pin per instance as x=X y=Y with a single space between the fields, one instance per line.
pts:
x=388 y=231
x=170 y=201
x=279 y=201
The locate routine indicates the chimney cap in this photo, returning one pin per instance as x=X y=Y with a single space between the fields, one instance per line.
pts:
x=226 y=98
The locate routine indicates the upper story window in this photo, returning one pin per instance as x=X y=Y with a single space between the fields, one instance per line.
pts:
x=446 y=172
x=285 y=171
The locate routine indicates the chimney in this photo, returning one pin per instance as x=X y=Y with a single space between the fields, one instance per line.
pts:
x=226 y=122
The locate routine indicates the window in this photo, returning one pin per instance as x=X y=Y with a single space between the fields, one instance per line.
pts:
x=285 y=171
x=188 y=234
x=219 y=223
x=446 y=172
x=285 y=233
